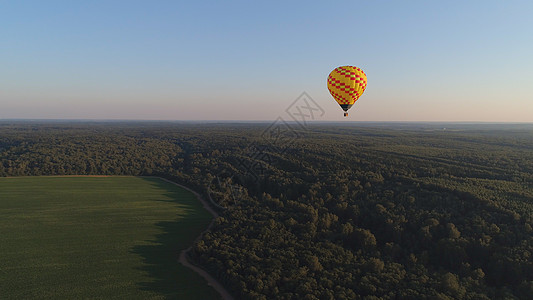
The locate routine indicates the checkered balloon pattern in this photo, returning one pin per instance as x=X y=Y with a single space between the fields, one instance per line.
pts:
x=346 y=84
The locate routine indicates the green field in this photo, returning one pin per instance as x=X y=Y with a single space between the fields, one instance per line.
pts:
x=98 y=237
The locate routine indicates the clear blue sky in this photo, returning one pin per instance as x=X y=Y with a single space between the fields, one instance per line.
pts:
x=248 y=60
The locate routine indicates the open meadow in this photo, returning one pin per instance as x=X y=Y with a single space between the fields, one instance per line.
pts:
x=330 y=211
x=98 y=237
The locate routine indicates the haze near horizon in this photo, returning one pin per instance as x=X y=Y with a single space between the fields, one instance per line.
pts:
x=425 y=61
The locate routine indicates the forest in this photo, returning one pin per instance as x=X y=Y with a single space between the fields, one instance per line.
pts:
x=326 y=210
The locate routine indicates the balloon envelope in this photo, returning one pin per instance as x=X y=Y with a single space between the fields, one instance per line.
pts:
x=346 y=84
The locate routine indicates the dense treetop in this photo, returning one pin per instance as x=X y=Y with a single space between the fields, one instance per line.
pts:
x=329 y=211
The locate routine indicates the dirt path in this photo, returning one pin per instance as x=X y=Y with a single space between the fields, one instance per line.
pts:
x=204 y=203
x=183 y=255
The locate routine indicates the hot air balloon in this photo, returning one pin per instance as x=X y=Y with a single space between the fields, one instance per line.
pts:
x=346 y=84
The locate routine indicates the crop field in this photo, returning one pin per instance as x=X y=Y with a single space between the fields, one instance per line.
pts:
x=98 y=237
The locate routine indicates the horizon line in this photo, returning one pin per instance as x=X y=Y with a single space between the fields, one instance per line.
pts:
x=251 y=121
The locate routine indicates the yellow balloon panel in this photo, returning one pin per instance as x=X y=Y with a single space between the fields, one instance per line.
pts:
x=346 y=84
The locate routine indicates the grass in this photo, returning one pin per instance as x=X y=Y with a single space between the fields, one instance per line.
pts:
x=99 y=238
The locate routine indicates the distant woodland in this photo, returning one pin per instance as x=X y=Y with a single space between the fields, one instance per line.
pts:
x=326 y=211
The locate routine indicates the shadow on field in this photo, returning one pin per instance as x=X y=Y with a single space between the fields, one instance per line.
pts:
x=160 y=255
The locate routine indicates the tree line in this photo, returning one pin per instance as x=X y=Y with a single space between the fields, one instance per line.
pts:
x=327 y=211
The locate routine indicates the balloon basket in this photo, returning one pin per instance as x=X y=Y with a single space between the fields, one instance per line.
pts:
x=345 y=114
